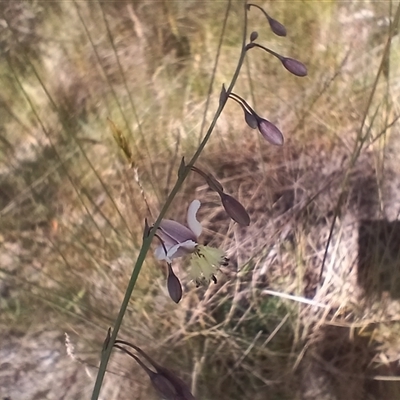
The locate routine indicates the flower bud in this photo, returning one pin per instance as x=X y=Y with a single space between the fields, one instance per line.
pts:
x=250 y=119
x=253 y=36
x=295 y=67
x=276 y=26
x=163 y=386
x=213 y=184
x=235 y=209
x=249 y=114
x=174 y=285
x=166 y=382
x=211 y=181
x=270 y=132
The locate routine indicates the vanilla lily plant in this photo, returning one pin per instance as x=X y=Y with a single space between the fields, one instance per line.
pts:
x=178 y=240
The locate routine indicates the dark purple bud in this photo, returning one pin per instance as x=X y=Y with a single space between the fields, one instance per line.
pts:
x=249 y=114
x=250 y=119
x=166 y=382
x=295 y=67
x=213 y=184
x=235 y=209
x=163 y=386
x=222 y=96
x=174 y=285
x=270 y=132
x=211 y=181
x=276 y=26
x=253 y=36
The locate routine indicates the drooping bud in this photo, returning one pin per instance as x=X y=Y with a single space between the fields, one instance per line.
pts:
x=294 y=66
x=249 y=114
x=276 y=27
x=250 y=119
x=174 y=285
x=214 y=185
x=163 y=386
x=266 y=128
x=270 y=132
x=166 y=382
x=235 y=209
x=253 y=36
x=211 y=181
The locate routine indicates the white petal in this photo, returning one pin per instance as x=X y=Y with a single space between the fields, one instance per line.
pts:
x=181 y=249
x=159 y=253
x=192 y=222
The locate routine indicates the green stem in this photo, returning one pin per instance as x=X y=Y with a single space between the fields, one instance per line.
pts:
x=147 y=241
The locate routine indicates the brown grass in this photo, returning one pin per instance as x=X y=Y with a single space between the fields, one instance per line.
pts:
x=72 y=209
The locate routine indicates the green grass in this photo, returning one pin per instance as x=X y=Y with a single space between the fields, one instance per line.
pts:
x=72 y=209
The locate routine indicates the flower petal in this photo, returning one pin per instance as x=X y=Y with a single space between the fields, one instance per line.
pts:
x=160 y=255
x=192 y=222
x=174 y=285
x=176 y=232
x=181 y=249
x=235 y=209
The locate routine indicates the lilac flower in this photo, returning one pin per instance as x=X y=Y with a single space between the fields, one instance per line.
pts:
x=179 y=240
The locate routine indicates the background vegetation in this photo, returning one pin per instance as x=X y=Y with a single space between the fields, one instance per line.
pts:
x=72 y=210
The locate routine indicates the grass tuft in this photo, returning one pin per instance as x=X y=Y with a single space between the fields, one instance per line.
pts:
x=308 y=306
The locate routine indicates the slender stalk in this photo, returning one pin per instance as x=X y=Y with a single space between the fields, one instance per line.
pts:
x=147 y=241
x=260 y=46
x=242 y=102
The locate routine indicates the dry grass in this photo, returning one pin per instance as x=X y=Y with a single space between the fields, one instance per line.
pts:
x=72 y=209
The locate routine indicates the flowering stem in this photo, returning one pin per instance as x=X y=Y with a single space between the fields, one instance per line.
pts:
x=147 y=240
x=278 y=56
x=242 y=102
